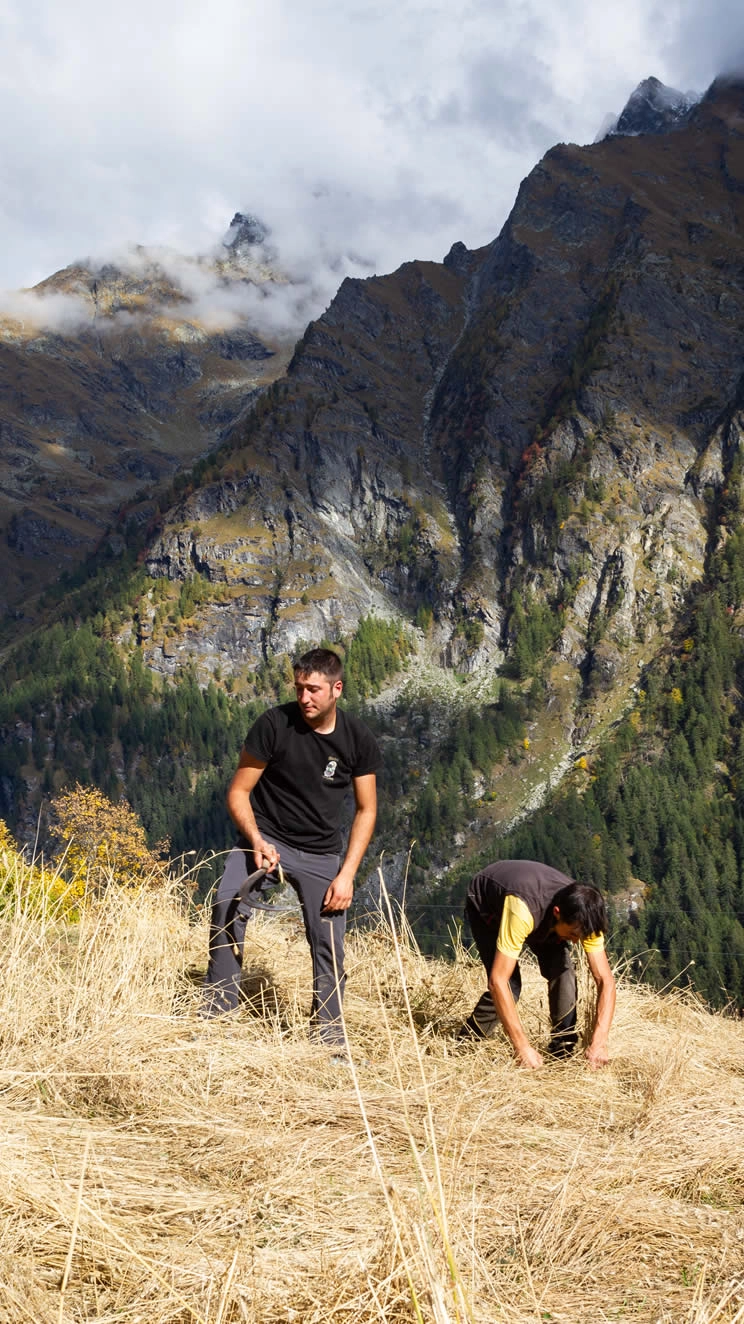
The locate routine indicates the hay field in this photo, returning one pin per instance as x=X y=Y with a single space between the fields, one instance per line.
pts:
x=156 y=1168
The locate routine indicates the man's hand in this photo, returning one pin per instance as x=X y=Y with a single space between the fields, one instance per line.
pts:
x=596 y=1056
x=340 y=892
x=339 y=896
x=241 y=812
x=265 y=854
x=529 y=1057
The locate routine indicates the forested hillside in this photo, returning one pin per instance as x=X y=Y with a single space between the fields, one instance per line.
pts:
x=656 y=814
x=78 y=704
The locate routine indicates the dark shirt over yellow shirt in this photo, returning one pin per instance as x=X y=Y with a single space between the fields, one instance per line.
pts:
x=517 y=924
x=519 y=897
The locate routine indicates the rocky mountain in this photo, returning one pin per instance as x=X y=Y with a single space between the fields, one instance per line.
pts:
x=520 y=449
x=654 y=108
x=246 y=234
x=112 y=379
x=511 y=484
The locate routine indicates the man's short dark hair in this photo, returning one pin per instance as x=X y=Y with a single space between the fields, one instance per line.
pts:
x=323 y=660
x=583 y=907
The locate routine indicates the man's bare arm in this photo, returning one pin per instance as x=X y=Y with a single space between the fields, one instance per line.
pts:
x=597 y=1052
x=240 y=810
x=341 y=890
x=498 y=985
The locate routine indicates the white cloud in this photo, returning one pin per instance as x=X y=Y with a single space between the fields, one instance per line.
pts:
x=51 y=312
x=384 y=131
x=707 y=40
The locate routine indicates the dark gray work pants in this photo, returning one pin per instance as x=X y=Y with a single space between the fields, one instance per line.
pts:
x=556 y=965
x=310 y=876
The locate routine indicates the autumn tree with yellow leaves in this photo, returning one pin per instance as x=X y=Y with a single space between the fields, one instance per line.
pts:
x=100 y=842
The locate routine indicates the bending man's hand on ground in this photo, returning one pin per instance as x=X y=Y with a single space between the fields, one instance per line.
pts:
x=503 y=1000
x=596 y=1056
x=530 y=1058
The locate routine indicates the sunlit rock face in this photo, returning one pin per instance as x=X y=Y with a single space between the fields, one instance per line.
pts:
x=522 y=449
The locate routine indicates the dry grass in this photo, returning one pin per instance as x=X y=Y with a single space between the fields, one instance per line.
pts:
x=156 y=1168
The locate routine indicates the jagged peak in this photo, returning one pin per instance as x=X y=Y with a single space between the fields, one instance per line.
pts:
x=246 y=231
x=652 y=108
x=459 y=258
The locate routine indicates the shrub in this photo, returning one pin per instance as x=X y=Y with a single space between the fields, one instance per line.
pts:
x=32 y=887
x=101 y=842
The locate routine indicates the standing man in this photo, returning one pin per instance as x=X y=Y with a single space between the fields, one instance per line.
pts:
x=286 y=801
x=514 y=903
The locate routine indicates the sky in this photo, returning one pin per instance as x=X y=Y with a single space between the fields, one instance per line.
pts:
x=363 y=133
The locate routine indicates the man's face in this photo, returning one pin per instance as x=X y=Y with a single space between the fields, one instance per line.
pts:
x=566 y=932
x=317 y=696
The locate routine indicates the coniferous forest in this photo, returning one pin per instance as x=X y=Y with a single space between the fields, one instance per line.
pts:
x=662 y=805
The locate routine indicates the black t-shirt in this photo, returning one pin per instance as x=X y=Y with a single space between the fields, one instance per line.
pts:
x=300 y=795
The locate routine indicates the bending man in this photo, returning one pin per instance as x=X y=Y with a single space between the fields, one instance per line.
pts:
x=286 y=801
x=514 y=903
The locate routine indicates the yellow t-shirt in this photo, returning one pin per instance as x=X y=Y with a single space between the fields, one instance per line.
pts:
x=517 y=924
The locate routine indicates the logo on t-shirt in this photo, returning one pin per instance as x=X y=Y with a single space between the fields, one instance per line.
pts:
x=330 y=770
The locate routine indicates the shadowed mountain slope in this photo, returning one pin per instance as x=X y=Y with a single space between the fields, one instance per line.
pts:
x=111 y=380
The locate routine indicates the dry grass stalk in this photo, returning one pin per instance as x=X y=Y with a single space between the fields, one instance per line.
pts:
x=156 y=1168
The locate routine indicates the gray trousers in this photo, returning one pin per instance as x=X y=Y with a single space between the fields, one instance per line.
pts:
x=310 y=876
x=556 y=965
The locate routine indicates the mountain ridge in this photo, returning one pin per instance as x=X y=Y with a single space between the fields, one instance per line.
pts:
x=516 y=277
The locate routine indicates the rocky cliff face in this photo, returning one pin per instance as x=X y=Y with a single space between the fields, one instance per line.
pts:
x=522 y=452
x=329 y=512
x=521 y=449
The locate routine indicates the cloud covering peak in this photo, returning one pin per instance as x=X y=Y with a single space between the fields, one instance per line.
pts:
x=361 y=135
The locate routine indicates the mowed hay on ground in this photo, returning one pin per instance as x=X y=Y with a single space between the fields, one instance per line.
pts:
x=157 y=1168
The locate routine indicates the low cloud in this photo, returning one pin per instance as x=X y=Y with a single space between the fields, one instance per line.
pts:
x=363 y=136
x=274 y=297
x=34 y=313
